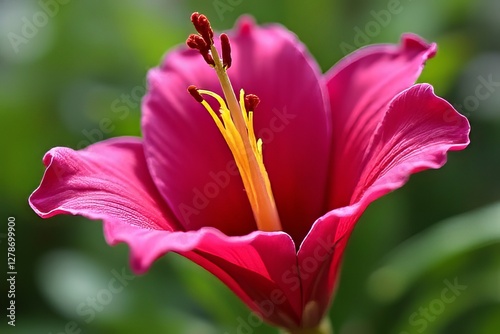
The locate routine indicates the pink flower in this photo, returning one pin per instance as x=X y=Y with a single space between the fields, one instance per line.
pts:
x=332 y=144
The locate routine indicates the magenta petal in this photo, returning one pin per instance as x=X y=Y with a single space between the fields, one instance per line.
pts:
x=187 y=156
x=252 y=266
x=189 y=159
x=416 y=133
x=108 y=180
x=319 y=260
x=360 y=88
x=293 y=119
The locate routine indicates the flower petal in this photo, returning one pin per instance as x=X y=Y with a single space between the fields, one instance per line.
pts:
x=108 y=180
x=293 y=119
x=189 y=159
x=252 y=266
x=187 y=156
x=319 y=261
x=415 y=134
x=360 y=88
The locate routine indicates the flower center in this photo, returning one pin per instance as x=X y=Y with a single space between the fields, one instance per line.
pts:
x=235 y=123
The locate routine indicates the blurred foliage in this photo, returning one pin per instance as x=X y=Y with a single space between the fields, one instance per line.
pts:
x=78 y=66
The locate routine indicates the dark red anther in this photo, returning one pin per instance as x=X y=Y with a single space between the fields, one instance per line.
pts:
x=194 y=17
x=251 y=102
x=202 y=26
x=197 y=42
x=194 y=93
x=226 y=51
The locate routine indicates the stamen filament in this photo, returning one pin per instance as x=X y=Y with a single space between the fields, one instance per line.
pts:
x=236 y=126
x=249 y=162
x=227 y=88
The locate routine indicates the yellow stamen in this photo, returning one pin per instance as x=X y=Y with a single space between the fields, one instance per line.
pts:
x=236 y=126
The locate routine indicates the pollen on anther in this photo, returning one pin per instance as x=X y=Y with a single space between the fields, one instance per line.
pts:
x=202 y=25
x=197 y=42
x=194 y=93
x=226 y=50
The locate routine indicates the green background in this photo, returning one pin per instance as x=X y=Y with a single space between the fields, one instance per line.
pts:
x=442 y=227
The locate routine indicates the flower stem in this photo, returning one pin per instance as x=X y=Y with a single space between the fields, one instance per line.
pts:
x=325 y=327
